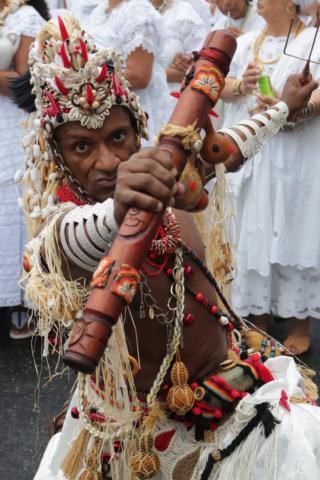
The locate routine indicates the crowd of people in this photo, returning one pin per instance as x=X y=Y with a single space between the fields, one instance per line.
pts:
x=271 y=177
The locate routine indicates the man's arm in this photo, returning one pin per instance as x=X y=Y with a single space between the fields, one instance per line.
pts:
x=84 y=234
x=250 y=135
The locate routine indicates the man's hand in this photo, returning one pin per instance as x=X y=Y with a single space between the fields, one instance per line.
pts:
x=296 y=93
x=146 y=181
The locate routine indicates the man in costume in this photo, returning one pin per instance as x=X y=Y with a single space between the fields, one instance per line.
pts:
x=131 y=419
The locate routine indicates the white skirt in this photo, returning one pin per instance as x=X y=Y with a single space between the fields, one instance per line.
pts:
x=291 y=452
x=12 y=242
x=287 y=292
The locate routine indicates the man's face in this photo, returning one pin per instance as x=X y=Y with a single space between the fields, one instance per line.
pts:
x=93 y=156
x=235 y=8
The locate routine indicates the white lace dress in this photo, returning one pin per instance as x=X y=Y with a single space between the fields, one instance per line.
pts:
x=133 y=24
x=25 y=21
x=278 y=200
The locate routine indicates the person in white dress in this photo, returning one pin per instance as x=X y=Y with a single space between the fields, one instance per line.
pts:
x=240 y=16
x=186 y=32
x=82 y=9
x=19 y=23
x=277 y=199
x=202 y=7
x=138 y=31
x=257 y=54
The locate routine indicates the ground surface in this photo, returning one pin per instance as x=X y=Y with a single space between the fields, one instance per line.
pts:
x=23 y=428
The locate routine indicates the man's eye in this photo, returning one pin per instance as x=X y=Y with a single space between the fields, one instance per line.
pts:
x=119 y=137
x=80 y=147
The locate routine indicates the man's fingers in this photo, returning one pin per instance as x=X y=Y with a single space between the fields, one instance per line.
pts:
x=160 y=154
x=148 y=184
x=310 y=87
x=148 y=166
x=141 y=201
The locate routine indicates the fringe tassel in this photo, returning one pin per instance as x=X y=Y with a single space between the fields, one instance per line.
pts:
x=263 y=416
x=75 y=457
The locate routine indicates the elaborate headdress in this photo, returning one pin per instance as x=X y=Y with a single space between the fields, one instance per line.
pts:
x=71 y=81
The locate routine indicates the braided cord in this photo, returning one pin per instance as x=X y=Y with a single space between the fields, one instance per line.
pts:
x=179 y=292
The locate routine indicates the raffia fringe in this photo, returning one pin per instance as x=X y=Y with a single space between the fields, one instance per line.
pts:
x=55 y=300
x=74 y=459
x=213 y=225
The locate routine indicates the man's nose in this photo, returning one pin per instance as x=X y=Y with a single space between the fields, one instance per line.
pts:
x=106 y=159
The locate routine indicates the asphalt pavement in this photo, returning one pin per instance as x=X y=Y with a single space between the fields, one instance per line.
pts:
x=25 y=408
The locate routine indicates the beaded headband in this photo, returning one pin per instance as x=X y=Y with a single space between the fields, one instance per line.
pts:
x=71 y=81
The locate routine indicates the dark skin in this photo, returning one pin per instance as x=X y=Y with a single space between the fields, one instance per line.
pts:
x=107 y=163
x=146 y=180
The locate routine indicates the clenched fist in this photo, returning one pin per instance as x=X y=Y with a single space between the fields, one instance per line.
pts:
x=146 y=181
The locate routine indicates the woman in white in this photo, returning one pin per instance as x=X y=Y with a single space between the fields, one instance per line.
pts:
x=238 y=15
x=258 y=53
x=19 y=23
x=277 y=201
x=186 y=32
x=137 y=30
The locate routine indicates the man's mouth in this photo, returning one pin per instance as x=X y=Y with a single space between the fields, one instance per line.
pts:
x=107 y=181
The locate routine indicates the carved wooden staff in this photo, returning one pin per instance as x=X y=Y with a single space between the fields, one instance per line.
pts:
x=118 y=272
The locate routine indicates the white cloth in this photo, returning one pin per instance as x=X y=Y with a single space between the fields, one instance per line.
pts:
x=287 y=291
x=25 y=21
x=186 y=32
x=82 y=9
x=133 y=24
x=54 y=4
x=277 y=201
x=250 y=23
x=12 y=243
x=203 y=10
x=291 y=452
